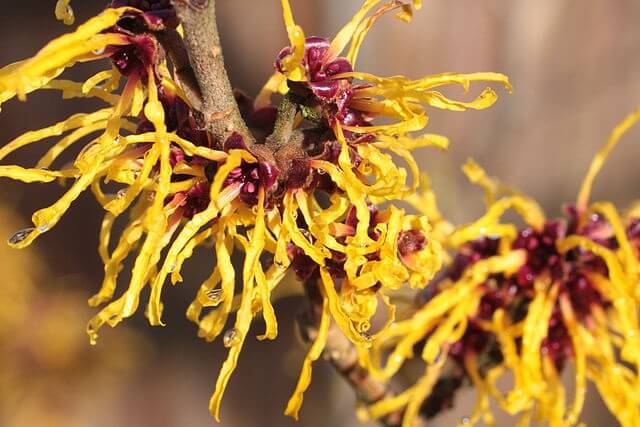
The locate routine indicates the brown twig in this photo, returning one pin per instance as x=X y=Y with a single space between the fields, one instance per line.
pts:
x=173 y=44
x=215 y=100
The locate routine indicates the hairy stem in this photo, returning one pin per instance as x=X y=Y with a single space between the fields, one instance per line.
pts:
x=215 y=100
x=285 y=121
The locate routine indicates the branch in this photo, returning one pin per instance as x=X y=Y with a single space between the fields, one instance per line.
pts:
x=173 y=44
x=285 y=121
x=200 y=66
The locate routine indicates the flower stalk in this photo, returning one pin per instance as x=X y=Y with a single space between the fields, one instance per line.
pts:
x=214 y=97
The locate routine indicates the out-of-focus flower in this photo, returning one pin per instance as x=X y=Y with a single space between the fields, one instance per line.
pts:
x=44 y=359
x=313 y=208
x=527 y=301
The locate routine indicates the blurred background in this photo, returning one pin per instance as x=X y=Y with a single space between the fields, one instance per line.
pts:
x=574 y=67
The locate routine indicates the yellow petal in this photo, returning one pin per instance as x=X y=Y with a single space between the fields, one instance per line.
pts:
x=295 y=402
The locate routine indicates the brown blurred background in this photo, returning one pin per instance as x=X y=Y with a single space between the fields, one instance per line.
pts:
x=573 y=64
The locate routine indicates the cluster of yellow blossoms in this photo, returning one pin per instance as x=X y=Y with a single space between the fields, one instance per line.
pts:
x=330 y=220
x=521 y=302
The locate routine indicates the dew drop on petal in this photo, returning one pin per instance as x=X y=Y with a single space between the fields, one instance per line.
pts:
x=335 y=355
x=121 y=194
x=465 y=420
x=21 y=235
x=322 y=171
x=43 y=228
x=172 y=267
x=215 y=296
x=231 y=338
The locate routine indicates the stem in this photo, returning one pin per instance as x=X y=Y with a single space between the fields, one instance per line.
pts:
x=173 y=44
x=285 y=120
x=216 y=103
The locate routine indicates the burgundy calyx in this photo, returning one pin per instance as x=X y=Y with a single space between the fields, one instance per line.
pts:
x=250 y=176
x=411 y=241
x=136 y=58
x=157 y=15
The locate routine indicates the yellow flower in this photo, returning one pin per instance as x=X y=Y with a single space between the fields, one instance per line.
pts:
x=175 y=189
x=350 y=101
x=527 y=302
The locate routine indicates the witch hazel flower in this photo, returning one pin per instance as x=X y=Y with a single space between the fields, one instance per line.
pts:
x=317 y=75
x=298 y=187
x=315 y=63
x=527 y=301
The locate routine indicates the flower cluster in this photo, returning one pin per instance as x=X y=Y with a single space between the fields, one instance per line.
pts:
x=310 y=204
x=526 y=301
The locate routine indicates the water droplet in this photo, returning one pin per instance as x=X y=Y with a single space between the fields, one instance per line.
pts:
x=322 y=171
x=43 y=228
x=172 y=267
x=215 y=296
x=231 y=338
x=335 y=355
x=465 y=420
x=116 y=140
x=254 y=209
x=121 y=194
x=99 y=51
x=20 y=236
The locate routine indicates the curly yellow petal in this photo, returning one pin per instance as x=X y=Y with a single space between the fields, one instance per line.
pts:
x=295 y=402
